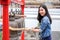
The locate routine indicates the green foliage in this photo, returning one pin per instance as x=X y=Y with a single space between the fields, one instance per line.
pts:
x=0 y=36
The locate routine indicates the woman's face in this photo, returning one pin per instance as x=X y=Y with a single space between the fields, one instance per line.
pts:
x=42 y=11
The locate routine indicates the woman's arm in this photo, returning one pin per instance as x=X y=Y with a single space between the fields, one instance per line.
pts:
x=16 y=29
x=24 y=29
x=44 y=23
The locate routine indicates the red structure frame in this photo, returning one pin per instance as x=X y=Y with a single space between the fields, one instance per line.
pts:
x=22 y=7
x=5 y=4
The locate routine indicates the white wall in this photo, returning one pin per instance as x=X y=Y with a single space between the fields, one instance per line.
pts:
x=32 y=13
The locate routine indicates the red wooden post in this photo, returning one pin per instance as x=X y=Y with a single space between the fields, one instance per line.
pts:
x=22 y=8
x=5 y=23
x=0 y=2
x=5 y=35
x=22 y=36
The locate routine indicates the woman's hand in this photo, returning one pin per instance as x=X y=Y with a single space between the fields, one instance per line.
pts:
x=35 y=30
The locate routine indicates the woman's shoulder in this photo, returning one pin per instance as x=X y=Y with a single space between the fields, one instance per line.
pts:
x=45 y=18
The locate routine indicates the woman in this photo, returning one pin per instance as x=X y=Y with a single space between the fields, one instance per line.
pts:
x=45 y=23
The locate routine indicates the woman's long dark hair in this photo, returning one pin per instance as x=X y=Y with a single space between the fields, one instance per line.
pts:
x=47 y=13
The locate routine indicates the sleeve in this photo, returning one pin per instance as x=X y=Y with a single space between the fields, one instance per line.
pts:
x=44 y=23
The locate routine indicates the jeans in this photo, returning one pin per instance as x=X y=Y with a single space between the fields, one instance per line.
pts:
x=46 y=38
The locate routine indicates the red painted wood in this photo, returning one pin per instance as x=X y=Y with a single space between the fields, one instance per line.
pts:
x=5 y=34
x=0 y=2
x=22 y=7
x=5 y=23
x=5 y=2
x=22 y=36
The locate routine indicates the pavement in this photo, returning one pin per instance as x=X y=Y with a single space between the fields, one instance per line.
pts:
x=55 y=36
